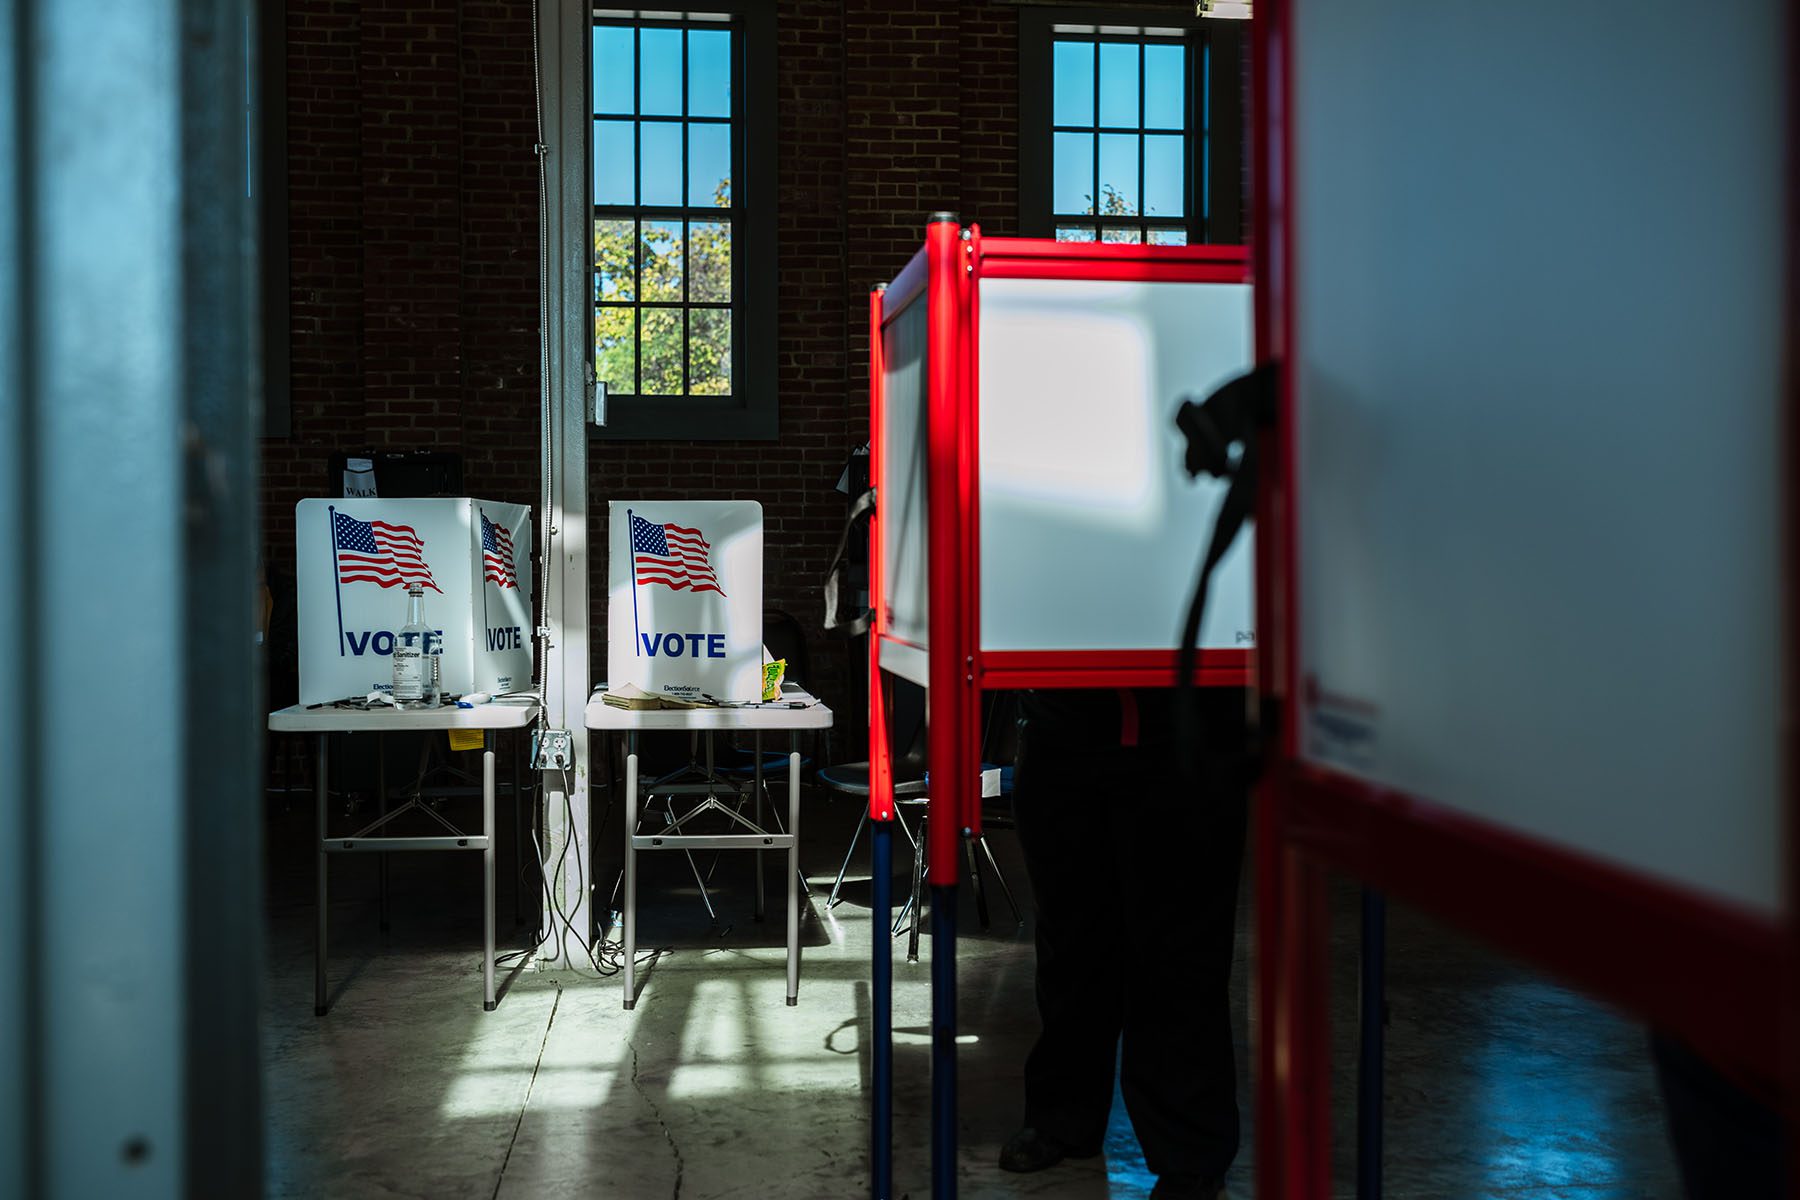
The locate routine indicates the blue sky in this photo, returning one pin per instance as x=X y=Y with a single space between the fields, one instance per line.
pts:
x=641 y=71
x=1161 y=72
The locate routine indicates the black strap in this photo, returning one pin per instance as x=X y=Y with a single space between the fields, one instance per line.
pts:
x=836 y=575
x=1230 y=416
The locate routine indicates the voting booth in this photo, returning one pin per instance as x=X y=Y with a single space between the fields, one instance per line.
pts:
x=684 y=598
x=354 y=559
x=1527 y=511
x=1034 y=525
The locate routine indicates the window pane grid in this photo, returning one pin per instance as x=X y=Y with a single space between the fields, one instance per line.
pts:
x=674 y=295
x=1137 y=172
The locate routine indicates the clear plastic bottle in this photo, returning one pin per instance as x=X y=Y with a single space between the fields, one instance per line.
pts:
x=412 y=669
x=434 y=668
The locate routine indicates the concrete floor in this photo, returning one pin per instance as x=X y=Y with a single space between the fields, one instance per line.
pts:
x=1499 y=1083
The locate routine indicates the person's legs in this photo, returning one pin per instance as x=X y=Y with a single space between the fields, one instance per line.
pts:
x=1062 y=804
x=1178 y=1072
x=1728 y=1142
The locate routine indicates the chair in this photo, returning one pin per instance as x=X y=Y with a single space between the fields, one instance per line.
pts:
x=707 y=780
x=712 y=768
x=784 y=638
x=906 y=720
x=912 y=791
x=1000 y=744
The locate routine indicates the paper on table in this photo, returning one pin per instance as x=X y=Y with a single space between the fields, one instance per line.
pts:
x=633 y=697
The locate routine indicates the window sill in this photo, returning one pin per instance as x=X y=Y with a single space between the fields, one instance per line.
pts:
x=688 y=419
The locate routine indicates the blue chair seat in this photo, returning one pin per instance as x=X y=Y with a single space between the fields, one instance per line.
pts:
x=742 y=764
x=1006 y=777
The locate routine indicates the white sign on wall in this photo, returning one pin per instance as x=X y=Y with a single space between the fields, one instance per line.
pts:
x=684 y=599
x=353 y=561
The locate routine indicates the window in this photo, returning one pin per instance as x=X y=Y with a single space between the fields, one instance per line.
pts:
x=682 y=300
x=1131 y=133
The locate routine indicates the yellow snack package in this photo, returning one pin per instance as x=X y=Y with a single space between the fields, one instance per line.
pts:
x=773 y=674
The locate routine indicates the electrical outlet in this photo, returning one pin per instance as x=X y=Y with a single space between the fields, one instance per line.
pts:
x=552 y=750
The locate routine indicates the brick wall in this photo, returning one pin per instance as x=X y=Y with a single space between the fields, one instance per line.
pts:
x=413 y=252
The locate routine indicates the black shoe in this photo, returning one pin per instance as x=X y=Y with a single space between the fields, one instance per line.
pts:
x=1187 y=1187
x=1033 y=1150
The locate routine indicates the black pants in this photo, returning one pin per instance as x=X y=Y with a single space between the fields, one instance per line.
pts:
x=1135 y=875
x=1727 y=1142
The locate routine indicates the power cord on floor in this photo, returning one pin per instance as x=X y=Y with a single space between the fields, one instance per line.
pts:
x=607 y=956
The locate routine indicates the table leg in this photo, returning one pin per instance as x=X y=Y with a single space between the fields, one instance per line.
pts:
x=631 y=817
x=487 y=874
x=320 y=787
x=793 y=873
x=518 y=844
x=757 y=786
x=381 y=860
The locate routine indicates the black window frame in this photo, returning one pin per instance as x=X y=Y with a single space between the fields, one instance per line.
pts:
x=750 y=412
x=1213 y=154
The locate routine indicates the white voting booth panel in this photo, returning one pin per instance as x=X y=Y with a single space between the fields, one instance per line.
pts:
x=1091 y=529
x=353 y=559
x=902 y=485
x=1538 y=350
x=684 y=597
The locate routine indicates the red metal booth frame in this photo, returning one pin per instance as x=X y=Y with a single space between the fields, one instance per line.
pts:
x=1732 y=996
x=946 y=275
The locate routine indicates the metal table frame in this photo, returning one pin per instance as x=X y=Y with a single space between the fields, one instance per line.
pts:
x=756 y=721
x=323 y=722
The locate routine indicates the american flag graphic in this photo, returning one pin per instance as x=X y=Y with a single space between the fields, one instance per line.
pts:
x=497 y=554
x=377 y=552
x=672 y=555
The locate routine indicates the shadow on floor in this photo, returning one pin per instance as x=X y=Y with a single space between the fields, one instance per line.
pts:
x=1500 y=1084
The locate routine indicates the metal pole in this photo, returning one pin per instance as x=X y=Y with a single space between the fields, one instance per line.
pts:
x=943 y=1041
x=631 y=818
x=321 y=789
x=565 y=32
x=793 y=864
x=487 y=873
x=518 y=846
x=1370 y=1066
x=381 y=795
x=881 y=1013
x=757 y=787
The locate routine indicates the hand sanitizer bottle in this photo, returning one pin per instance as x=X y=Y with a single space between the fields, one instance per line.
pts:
x=410 y=666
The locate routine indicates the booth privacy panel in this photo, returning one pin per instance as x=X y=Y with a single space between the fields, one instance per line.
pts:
x=902 y=486
x=353 y=560
x=1536 y=353
x=684 y=597
x=1091 y=530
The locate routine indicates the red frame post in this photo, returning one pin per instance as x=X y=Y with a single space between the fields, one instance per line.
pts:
x=969 y=488
x=1293 y=1057
x=881 y=750
x=948 y=476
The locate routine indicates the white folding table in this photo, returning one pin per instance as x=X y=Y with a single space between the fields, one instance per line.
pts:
x=796 y=711
x=326 y=720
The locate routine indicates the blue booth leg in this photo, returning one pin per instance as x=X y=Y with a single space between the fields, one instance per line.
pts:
x=881 y=1014
x=943 y=1042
